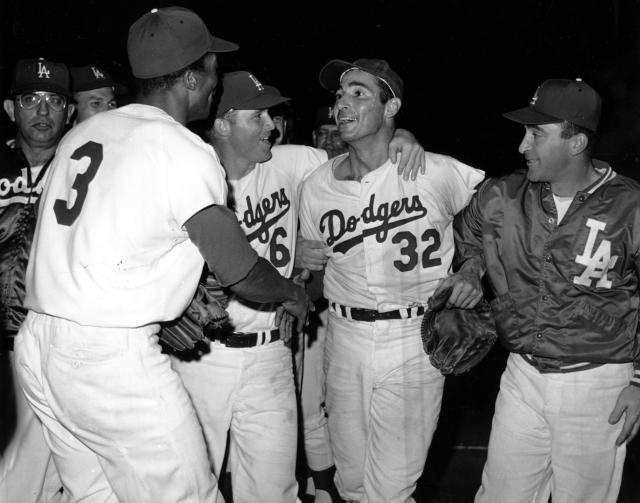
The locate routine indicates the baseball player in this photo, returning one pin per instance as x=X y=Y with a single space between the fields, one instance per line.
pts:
x=40 y=106
x=93 y=91
x=391 y=243
x=118 y=248
x=560 y=244
x=254 y=397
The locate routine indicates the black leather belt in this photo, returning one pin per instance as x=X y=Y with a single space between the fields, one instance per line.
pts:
x=361 y=314
x=240 y=340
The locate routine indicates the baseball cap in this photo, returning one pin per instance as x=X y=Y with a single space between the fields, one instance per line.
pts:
x=332 y=73
x=86 y=78
x=242 y=91
x=40 y=75
x=324 y=115
x=558 y=100
x=165 y=40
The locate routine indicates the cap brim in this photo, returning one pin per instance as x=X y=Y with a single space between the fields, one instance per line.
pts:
x=222 y=45
x=331 y=73
x=530 y=115
x=44 y=87
x=270 y=98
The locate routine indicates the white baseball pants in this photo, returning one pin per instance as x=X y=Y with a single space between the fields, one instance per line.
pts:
x=312 y=396
x=251 y=393
x=383 y=401
x=554 y=426
x=27 y=472
x=117 y=418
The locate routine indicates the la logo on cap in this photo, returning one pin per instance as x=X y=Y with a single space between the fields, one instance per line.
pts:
x=535 y=97
x=97 y=73
x=257 y=83
x=43 y=73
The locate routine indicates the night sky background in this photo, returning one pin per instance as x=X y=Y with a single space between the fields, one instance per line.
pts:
x=464 y=62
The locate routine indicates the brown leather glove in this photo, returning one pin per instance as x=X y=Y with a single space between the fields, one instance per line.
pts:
x=207 y=308
x=457 y=339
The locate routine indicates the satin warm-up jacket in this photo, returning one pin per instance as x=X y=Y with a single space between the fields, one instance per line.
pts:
x=564 y=292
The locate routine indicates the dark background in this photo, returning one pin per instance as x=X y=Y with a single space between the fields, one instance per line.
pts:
x=463 y=62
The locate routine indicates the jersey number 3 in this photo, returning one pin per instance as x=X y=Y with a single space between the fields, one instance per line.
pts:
x=92 y=150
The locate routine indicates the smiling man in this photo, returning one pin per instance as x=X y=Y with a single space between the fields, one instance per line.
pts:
x=560 y=243
x=391 y=244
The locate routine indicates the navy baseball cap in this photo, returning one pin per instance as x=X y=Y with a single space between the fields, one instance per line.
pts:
x=40 y=75
x=324 y=115
x=87 y=78
x=166 y=40
x=558 y=100
x=243 y=91
x=332 y=73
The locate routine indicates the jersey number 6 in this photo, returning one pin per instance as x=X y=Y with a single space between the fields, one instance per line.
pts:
x=92 y=150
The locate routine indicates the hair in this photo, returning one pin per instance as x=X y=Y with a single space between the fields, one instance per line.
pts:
x=385 y=91
x=164 y=82
x=569 y=130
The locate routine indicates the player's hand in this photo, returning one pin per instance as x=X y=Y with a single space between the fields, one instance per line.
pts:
x=466 y=289
x=310 y=254
x=302 y=304
x=628 y=403
x=286 y=326
x=411 y=154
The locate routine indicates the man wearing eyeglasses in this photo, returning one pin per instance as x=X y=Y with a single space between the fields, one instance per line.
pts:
x=39 y=106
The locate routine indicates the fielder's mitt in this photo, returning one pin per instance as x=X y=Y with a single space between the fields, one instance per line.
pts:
x=457 y=339
x=207 y=308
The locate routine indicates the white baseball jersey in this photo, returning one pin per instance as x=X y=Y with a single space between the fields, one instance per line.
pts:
x=110 y=248
x=391 y=240
x=266 y=204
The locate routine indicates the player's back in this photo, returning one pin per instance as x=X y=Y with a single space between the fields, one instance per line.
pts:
x=110 y=248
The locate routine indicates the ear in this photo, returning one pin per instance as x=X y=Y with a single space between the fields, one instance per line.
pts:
x=314 y=137
x=190 y=80
x=9 y=107
x=392 y=107
x=578 y=144
x=221 y=127
x=71 y=109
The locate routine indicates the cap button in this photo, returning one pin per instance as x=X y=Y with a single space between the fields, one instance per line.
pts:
x=578 y=79
x=153 y=11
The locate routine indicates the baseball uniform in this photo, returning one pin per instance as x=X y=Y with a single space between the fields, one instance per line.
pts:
x=565 y=272
x=251 y=391
x=391 y=243
x=27 y=473
x=110 y=259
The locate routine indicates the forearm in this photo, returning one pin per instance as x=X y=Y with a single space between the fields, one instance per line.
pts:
x=473 y=265
x=264 y=284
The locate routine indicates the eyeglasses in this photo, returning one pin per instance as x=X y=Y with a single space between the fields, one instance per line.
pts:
x=29 y=101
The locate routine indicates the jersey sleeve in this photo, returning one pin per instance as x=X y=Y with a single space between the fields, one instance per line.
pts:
x=195 y=179
x=308 y=193
x=456 y=180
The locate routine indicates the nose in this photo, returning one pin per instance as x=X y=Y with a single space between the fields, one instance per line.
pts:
x=268 y=123
x=43 y=107
x=525 y=144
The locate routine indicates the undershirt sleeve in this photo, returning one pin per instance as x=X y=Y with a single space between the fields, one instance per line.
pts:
x=222 y=243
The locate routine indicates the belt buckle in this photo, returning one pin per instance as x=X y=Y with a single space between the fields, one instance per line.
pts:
x=237 y=341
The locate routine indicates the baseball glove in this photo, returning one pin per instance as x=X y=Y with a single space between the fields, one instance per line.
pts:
x=207 y=308
x=457 y=339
